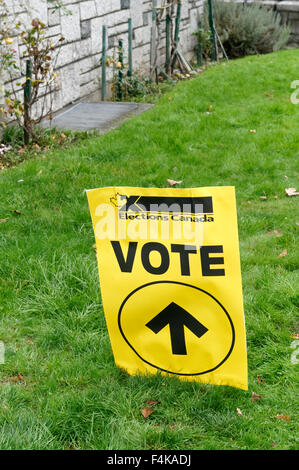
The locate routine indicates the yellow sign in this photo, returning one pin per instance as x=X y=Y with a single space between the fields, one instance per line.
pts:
x=170 y=279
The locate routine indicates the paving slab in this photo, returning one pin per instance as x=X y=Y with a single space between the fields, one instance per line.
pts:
x=102 y=116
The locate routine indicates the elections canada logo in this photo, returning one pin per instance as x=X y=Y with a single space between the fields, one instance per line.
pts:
x=153 y=217
x=186 y=209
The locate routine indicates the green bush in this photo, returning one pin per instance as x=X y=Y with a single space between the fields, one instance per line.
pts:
x=247 y=29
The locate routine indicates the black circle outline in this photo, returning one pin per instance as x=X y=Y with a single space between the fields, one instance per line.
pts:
x=182 y=284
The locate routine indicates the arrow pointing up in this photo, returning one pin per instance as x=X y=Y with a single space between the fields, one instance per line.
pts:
x=176 y=317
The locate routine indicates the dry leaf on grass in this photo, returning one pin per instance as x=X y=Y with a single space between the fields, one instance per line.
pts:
x=239 y=412
x=253 y=131
x=283 y=253
x=153 y=402
x=263 y=197
x=283 y=417
x=173 y=182
x=255 y=396
x=2 y=221
x=275 y=232
x=291 y=192
x=16 y=211
x=16 y=378
x=147 y=411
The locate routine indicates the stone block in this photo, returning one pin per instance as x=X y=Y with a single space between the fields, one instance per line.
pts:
x=288 y=6
x=146 y=18
x=70 y=24
x=70 y=83
x=96 y=35
x=88 y=10
x=124 y=4
x=53 y=17
x=85 y=29
x=37 y=9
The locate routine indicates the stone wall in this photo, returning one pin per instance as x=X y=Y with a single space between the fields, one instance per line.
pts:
x=80 y=22
x=289 y=12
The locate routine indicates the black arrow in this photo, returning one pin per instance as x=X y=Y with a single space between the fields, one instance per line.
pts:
x=176 y=317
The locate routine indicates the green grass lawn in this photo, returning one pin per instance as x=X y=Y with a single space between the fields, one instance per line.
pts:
x=59 y=387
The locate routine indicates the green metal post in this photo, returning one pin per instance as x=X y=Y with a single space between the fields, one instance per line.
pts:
x=177 y=29
x=153 y=38
x=130 y=70
x=27 y=98
x=212 y=29
x=167 y=62
x=177 y=23
x=104 y=50
x=120 y=72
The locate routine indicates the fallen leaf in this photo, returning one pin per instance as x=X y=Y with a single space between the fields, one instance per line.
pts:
x=147 y=411
x=173 y=182
x=210 y=107
x=283 y=253
x=263 y=197
x=292 y=192
x=153 y=402
x=283 y=417
x=239 y=412
x=273 y=444
x=16 y=378
x=16 y=211
x=255 y=396
x=275 y=232
x=268 y=94
x=63 y=135
x=2 y=221
x=253 y=131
